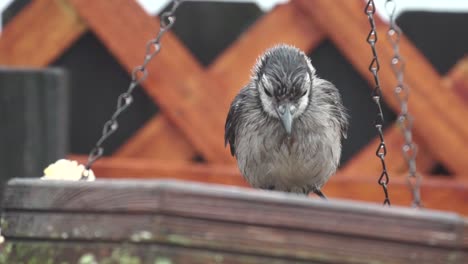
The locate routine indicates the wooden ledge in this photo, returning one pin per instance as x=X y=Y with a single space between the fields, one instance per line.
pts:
x=241 y=221
x=436 y=191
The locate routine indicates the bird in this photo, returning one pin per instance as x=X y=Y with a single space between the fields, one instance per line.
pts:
x=285 y=127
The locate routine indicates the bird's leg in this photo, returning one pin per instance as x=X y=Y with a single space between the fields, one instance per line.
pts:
x=320 y=194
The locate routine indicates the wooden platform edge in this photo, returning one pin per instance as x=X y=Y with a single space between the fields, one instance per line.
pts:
x=436 y=191
x=220 y=202
x=224 y=219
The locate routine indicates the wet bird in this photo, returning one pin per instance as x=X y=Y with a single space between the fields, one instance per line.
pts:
x=286 y=125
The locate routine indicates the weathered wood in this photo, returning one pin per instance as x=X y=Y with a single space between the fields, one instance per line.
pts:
x=40 y=33
x=21 y=252
x=443 y=133
x=239 y=238
x=124 y=27
x=436 y=191
x=33 y=120
x=237 y=220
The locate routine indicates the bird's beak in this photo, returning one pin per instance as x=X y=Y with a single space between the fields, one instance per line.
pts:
x=284 y=113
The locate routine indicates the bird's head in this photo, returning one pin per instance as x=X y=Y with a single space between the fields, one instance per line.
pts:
x=283 y=76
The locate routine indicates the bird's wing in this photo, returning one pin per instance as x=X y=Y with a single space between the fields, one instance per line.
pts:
x=233 y=119
x=339 y=112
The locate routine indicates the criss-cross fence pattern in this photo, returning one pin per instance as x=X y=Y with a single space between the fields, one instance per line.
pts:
x=191 y=123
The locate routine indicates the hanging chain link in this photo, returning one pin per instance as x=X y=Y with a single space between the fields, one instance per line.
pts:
x=404 y=119
x=139 y=74
x=374 y=68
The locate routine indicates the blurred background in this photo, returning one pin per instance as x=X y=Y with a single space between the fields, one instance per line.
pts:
x=62 y=69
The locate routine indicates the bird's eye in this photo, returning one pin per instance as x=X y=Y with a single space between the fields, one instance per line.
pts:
x=304 y=93
x=267 y=92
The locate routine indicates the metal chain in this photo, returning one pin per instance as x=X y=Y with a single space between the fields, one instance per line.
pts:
x=404 y=119
x=139 y=74
x=374 y=67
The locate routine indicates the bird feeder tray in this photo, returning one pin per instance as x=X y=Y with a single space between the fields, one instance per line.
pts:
x=168 y=221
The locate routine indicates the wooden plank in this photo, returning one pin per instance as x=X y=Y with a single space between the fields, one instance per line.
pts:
x=105 y=252
x=216 y=202
x=238 y=238
x=436 y=191
x=92 y=224
x=230 y=219
x=40 y=33
x=158 y=139
x=442 y=133
x=284 y=24
x=124 y=28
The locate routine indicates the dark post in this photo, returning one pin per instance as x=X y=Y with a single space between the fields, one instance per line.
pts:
x=33 y=120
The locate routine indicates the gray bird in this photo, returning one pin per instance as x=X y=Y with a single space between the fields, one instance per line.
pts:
x=285 y=127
